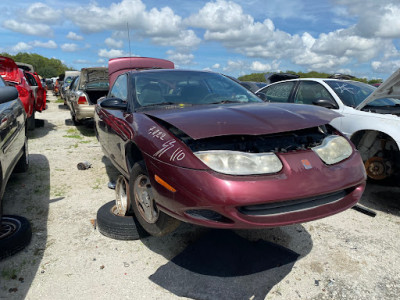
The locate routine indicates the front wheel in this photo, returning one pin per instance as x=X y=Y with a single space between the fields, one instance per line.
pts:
x=154 y=221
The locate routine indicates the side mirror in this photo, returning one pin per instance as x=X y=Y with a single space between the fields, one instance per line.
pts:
x=8 y=93
x=113 y=103
x=261 y=96
x=327 y=103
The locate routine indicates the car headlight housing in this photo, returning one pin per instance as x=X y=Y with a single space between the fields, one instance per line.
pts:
x=240 y=163
x=333 y=149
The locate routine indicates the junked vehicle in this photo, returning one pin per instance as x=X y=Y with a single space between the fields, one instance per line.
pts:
x=197 y=147
x=15 y=76
x=68 y=77
x=86 y=89
x=15 y=232
x=253 y=85
x=369 y=115
x=38 y=90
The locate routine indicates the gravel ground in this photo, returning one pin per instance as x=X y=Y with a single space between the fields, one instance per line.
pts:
x=346 y=256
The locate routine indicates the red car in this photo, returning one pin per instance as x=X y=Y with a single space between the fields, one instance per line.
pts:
x=39 y=91
x=197 y=147
x=15 y=76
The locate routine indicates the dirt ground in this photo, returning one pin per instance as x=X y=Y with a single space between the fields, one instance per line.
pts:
x=346 y=256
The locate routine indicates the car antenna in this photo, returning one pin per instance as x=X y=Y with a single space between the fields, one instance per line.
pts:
x=129 y=41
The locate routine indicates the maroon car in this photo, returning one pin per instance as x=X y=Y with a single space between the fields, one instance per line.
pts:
x=197 y=147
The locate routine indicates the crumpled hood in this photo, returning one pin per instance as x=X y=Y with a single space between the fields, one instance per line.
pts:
x=244 y=119
x=390 y=88
x=9 y=69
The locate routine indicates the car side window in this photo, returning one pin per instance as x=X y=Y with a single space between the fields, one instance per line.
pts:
x=2 y=83
x=75 y=83
x=279 y=92
x=120 y=88
x=310 y=91
x=31 y=79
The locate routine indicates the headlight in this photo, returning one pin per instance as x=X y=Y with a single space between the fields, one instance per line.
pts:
x=240 y=163
x=333 y=149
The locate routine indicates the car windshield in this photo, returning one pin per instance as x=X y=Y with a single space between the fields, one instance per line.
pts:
x=352 y=93
x=188 y=88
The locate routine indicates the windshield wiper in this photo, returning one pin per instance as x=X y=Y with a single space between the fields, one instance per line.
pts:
x=225 y=102
x=165 y=103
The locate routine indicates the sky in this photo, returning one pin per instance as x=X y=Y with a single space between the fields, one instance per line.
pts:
x=237 y=37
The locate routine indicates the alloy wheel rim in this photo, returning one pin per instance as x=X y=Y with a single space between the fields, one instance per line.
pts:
x=122 y=198
x=144 y=200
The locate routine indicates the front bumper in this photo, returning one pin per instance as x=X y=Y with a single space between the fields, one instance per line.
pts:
x=294 y=195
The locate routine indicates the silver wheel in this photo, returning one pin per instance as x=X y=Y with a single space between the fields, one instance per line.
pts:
x=122 y=196
x=144 y=199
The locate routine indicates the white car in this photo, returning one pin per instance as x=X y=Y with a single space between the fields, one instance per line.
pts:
x=370 y=115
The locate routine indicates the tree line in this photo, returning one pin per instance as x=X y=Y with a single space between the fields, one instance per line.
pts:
x=45 y=67
x=312 y=74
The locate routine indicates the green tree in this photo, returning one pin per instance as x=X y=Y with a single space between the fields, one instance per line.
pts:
x=46 y=67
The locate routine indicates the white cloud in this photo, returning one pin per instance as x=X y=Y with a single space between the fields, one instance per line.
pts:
x=69 y=47
x=225 y=22
x=20 y=47
x=49 y=44
x=216 y=66
x=43 y=13
x=260 y=67
x=110 y=42
x=385 y=67
x=161 y=26
x=28 y=28
x=81 y=61
x=73 y=36
x=112 y=53
x=180 y=58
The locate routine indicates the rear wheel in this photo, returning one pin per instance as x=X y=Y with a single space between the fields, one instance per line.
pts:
x=153 y=220
x=15 y=235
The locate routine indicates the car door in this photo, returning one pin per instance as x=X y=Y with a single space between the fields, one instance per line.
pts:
x=111 y=123
x=73 y=93
x=40 y=94
x=278 y=92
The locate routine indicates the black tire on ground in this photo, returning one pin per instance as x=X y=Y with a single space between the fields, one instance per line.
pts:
x=23 y=163
x=164 y=223
x=15 y=235
x=31 y=121
x=118 y=227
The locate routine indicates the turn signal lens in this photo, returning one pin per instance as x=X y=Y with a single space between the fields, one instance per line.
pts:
x=164 y=184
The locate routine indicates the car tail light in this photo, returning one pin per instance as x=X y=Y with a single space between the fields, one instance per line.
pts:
x=22 y=92
x=82 y=100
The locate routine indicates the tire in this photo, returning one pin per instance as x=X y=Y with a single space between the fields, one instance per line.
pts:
x=23 y=163
x=31 y=121
x=118 y=227
x=15 y=235
x=156 y=223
